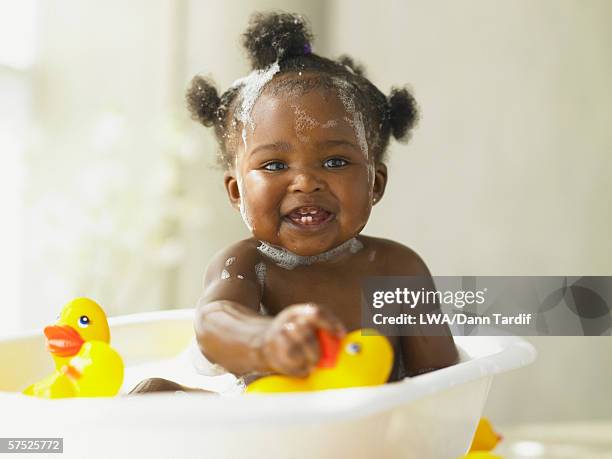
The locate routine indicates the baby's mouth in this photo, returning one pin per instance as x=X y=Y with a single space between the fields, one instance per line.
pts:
x=309 y=216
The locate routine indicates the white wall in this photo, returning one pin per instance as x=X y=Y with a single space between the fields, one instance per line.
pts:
x=509 y=172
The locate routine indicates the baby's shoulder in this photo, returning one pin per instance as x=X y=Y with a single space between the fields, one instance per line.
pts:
x=238 y=259
x=393 y=258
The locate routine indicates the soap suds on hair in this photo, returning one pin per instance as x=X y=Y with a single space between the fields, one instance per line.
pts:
x=289 y=260
x=251 y=87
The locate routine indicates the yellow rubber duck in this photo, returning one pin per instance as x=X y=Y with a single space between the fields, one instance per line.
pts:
x=485 y=439
x=86 y=365
x=362 y=358
x=481 y=455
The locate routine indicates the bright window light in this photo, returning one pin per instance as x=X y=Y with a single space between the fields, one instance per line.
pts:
x=17 y=33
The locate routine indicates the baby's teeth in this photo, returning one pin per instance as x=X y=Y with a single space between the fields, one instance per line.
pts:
x=308 y=210
x=306 y=219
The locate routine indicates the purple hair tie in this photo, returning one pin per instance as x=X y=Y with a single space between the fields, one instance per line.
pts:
x=307 y=48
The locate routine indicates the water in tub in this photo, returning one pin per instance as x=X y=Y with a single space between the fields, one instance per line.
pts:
x=190 y=368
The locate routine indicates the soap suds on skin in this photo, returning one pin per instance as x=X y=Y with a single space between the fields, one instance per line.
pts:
x=244 y=138
x=260 y=273
x=225 y=274
x=329 y=124
x=304 y=123
x=244 y=213
x=355 y=118
x=229 y=261
x=251 y=87
x=289 y=260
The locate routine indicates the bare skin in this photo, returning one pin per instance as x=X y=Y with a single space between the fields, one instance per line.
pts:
x=289 y=168
x=232 y=333
x=283 y=168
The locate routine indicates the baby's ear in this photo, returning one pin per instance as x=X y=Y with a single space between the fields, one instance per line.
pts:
x=233 y=190
x=380 y=182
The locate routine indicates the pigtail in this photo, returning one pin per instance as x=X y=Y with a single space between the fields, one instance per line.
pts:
x=274 y=37
x=203 y=101
x=403 y=113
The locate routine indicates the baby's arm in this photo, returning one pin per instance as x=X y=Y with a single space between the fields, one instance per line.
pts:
x=231 y=332
x=432 y=348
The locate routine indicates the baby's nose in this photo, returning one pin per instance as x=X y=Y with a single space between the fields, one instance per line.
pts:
x=306 y=182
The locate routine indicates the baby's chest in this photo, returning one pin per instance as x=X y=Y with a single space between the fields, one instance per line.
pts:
x=338 y=292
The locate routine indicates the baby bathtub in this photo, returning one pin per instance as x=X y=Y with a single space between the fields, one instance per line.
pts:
x=429 y=416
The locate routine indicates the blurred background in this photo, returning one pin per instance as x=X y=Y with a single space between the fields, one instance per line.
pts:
x=109 y=190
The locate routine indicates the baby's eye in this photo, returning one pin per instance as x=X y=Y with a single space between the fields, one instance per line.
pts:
x=333 y=163
x=275 y=166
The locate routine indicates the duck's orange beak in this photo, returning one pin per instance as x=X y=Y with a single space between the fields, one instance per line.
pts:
x=330 y=349
x=63 y=340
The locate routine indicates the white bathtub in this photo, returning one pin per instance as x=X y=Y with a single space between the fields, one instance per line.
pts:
x=429 y=416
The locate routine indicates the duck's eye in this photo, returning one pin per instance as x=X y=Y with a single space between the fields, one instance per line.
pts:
x=83 y=321
x=353 y=348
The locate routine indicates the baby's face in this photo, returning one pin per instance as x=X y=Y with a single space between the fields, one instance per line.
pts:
x=306 y=180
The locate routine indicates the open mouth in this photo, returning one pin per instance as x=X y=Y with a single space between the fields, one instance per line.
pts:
x=309 y=217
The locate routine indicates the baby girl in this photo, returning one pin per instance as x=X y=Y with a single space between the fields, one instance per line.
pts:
x=302 y=140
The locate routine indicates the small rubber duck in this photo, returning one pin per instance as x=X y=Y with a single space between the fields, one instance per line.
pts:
x=86 y=365
x=485 y=438
x=484 y=441
x=481 y=455
x=362 y=358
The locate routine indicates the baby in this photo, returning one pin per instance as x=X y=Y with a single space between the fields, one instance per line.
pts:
x=302 y=139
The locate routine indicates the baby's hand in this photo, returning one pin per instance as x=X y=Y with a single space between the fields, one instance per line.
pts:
x=290 y=345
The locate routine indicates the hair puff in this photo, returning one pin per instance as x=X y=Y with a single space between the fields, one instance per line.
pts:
x=403 y=112
x=276 y=36
x=203 y=100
